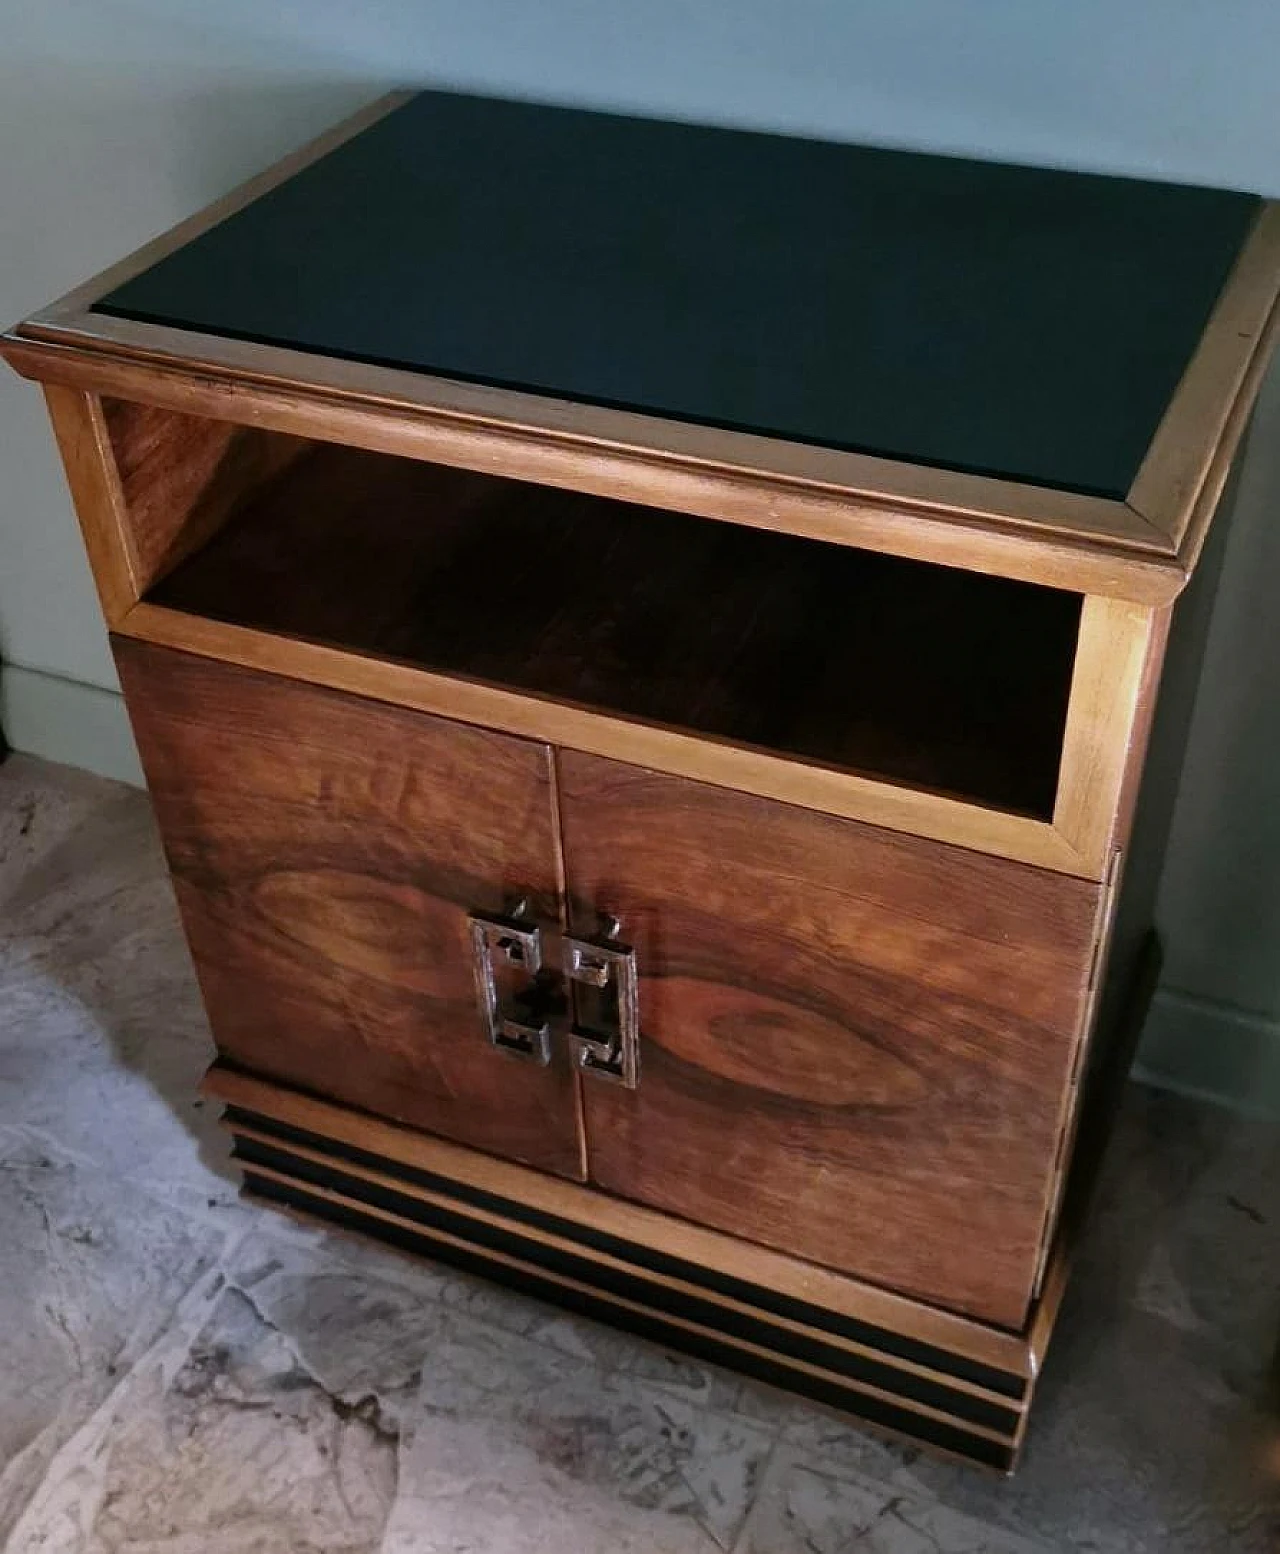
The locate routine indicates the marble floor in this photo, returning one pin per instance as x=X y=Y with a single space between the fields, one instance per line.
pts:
x=184 y=1374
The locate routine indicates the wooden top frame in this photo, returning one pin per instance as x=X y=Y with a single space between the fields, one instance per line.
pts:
x=1140 y=549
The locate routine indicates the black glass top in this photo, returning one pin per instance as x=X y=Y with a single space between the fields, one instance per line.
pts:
x=1007 y=320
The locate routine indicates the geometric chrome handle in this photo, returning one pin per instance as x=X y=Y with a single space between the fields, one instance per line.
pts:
x=608 y=1044
x=517 y=941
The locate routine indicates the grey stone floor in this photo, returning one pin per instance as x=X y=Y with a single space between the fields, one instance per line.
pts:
x=180 y=1372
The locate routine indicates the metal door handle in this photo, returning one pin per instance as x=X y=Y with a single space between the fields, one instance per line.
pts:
x=517 y=940
x=599 y=964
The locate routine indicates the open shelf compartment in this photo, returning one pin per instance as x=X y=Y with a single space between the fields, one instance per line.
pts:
x=907 y=673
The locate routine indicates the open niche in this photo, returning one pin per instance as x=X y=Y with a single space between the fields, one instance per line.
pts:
x=907 y=672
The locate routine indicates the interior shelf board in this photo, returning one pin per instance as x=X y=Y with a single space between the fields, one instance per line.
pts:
x=925 y=676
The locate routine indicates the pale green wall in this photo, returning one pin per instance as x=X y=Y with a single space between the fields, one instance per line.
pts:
x=1216 y=1022
x=118 y=117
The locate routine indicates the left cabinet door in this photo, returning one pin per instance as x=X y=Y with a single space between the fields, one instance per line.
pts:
x=326 y=852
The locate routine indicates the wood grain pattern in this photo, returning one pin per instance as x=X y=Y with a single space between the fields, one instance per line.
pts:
x=47 y=343
x=987 y=525
x=855 y=1045
x=1117 y=647
x=80 y=429
x=705 y=1248
x=325 y=853
x=182 y=477
x=863 y=1050
x=1121 y=549
x=911 y=810
x=392 y=557
x=599 y=430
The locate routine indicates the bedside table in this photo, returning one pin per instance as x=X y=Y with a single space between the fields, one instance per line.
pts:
x=644 y=644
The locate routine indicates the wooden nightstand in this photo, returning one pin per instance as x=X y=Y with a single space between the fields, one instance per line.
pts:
x=643 y=641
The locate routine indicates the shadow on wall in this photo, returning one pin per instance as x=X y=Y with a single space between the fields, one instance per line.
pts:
x=1215 y=1024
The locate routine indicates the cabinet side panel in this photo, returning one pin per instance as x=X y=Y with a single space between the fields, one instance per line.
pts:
x=182 y=476
x=1132 y=963
x=1156 y=763
x=325 y=852
x=856 y=1045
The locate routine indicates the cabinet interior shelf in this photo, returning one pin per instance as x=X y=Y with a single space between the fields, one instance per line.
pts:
x=910 y=673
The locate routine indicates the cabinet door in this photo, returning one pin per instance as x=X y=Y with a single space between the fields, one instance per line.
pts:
x=855 y=1045
x=326 y=852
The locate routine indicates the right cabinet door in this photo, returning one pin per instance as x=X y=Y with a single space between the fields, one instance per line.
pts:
x=855 y=1045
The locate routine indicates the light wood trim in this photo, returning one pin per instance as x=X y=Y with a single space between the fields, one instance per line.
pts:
x=1140 y=733
x=849 y=474
x=1224 y=369
x=915 y=811
x=623 y=1303
x=706 y=1248
x=1230 y=449
x=1019 y=1441
x=87 y=457
x=1053 y=1289
x=1112 y=655
x=606 y=1260
x=182 y=477
x=1108 y=904
x=845 y=499
x=74 y=303
x=1134 y=549
x=1069 y=1111
x=562 y=921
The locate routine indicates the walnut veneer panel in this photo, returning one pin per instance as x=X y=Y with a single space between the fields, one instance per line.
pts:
x=181 y=477
x=325 y=852
x=855 y=1044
